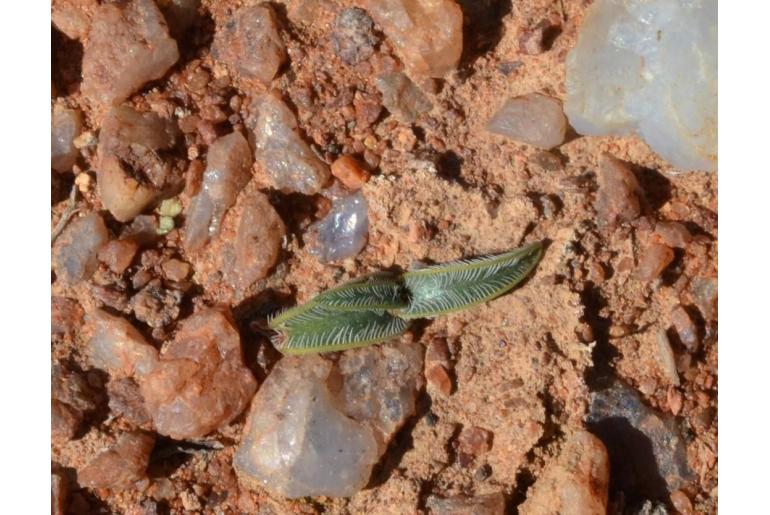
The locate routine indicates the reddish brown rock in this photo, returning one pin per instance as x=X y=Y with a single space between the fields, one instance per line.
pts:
x=71 y=398
x=667 y=358
x=427 y=34
x=117 y=347
x=59 y=493
x=673 y=234
x=200 y=382
x=155 y=305
x=120 y=466
x=350 y=172
x=250 y=44
x=619 y=197
x=127 y=46
x=655 y=259
x=474 y=441
x=402 y=97
x=438 y=379
x=682 y=503
x=118 y=254
x=575 y=483
x=175 y=270
x=65 y=421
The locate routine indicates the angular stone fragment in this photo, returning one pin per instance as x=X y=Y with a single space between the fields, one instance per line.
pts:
x=297 y=442
x=128 y=45
x=534 y=119
x=249 y=42
x=673 y=234
x=475 y=441
x=575 y=483
x=619 y=197
x=705 y=292
x=655 y=259
x=402 y=97
x=200 y=382
x=353 y=37
x=118 y=348
x=135 y=164
x=667 y=358
x=71 y=398
x=649 y=66
x=379 y=385
x=65 y=421
x=121 y=465
x=343 y=232
x=155 y=305
x=66 y=125
x=685 y=328
x=75 y=251
x=427 y=34
x=228 y=170
x=257 y=243
x=489 y=504
x=647 y=452
x=287 y=159
x=118 y=254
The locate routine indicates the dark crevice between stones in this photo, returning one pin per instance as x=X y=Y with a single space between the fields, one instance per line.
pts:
x=604 y=353
x=482 y=28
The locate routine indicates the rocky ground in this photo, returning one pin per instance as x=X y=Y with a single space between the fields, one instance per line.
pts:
x=160 y=295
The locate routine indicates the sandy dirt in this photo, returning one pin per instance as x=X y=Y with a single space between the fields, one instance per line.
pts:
x=443 y=188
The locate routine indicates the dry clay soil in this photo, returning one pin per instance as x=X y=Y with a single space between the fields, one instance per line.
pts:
x=443 y=188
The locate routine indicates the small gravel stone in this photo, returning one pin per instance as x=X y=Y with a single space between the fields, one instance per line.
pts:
x=287 y=159
x=120 y=466
x=228 y=170
x=59 y=493
x=127 y=46
x=667 y=358
x=343 y=232
x=673 y=234
x=682 y=503
x=705 y=293
x=353 y=37
x=66 y=125
x=534 y=119
x=258 y=241
x=118 y=347
x=65 y=421
x=249 y=42
x=656 y=258
x=156 y=306
x=118 y=254
x=427 y=34
x=489 y=504
x=475 y=441
x=175 y=270
x=438 y=379
x=575 y=483
x=619 y=197
x=350 y=172
x=402 y=97
x=685 y=328
x=76 y=249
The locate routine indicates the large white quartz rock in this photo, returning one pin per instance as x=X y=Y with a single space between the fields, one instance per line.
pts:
x=317 y=427
x=297 y=442
x=649 y=66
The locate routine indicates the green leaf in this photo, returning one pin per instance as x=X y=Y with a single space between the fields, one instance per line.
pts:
x=449 y=287
x=377 y=291
x=322 y=329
